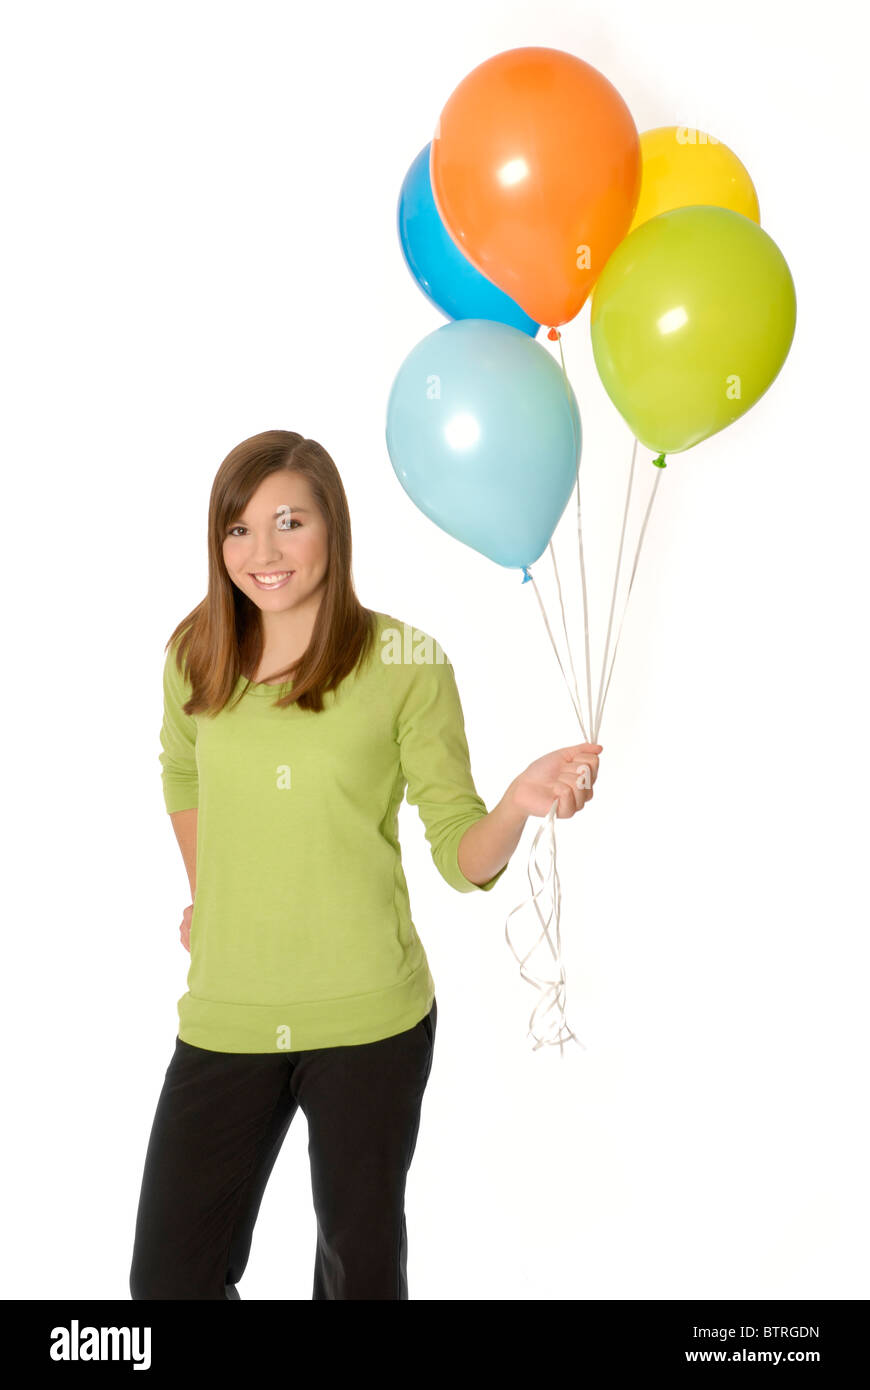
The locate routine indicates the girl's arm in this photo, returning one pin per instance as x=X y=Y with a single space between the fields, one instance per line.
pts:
x=488 y=844
x=184 y=825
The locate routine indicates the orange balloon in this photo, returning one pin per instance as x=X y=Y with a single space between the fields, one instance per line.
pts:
x=535 y=169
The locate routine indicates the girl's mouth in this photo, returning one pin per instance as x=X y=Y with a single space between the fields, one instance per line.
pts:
x=277 y=580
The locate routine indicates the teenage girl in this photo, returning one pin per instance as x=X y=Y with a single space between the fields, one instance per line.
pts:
x=294 y=722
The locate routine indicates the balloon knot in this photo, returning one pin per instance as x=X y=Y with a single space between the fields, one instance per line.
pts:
x=554 y=335
x=526 y=573
x=660 y=461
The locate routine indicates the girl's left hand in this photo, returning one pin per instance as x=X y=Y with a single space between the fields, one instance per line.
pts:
x=566 y=774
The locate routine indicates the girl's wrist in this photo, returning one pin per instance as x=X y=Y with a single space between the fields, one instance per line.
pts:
x=510 y=811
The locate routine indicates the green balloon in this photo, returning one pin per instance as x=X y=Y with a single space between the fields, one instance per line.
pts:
x=691 y=319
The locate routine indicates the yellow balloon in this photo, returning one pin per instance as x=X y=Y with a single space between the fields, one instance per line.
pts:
x=682 y=166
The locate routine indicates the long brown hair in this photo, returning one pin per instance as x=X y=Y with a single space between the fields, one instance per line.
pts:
x=222 y=638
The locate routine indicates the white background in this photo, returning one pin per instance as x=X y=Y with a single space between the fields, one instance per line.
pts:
x=200 y=243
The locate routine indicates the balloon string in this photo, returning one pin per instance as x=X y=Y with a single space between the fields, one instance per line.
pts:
x=582 y=560
x=574 y=702
x=597 y=720
x=552 y=992
x=660 y=464
x=568 y=640
x=575 y=699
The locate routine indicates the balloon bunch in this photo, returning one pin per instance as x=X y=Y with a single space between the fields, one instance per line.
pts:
x=535 y=192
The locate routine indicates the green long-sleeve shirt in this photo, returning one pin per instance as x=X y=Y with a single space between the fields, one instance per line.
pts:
x=301 y=935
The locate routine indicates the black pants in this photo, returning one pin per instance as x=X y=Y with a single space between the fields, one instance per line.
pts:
x=220 y=1122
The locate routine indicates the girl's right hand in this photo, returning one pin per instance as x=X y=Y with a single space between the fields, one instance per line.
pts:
x=185 y=927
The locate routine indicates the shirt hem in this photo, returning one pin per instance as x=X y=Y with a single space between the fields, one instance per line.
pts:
x=219 y=1026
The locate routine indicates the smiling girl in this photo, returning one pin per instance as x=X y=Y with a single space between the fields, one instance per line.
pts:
x=295 y=721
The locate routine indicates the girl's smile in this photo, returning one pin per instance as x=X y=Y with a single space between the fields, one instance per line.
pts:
x=276 y=580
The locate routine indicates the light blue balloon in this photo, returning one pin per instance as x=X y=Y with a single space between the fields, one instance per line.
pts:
x=483 y=432
x=443 y=272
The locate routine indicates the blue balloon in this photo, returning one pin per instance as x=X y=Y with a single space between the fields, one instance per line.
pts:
x=483 y=432
x=444 y=274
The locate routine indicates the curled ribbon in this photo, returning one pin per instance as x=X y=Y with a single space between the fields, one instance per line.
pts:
x=552 y=992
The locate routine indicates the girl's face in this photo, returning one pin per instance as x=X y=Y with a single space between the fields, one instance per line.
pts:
x=282 y=538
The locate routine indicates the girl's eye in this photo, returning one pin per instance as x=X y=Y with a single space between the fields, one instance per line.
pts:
x=293 y=522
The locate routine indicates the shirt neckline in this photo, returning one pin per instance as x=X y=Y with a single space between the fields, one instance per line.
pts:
x=264 y=687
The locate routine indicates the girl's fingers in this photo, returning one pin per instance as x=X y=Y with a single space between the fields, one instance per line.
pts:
x=578 y=794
